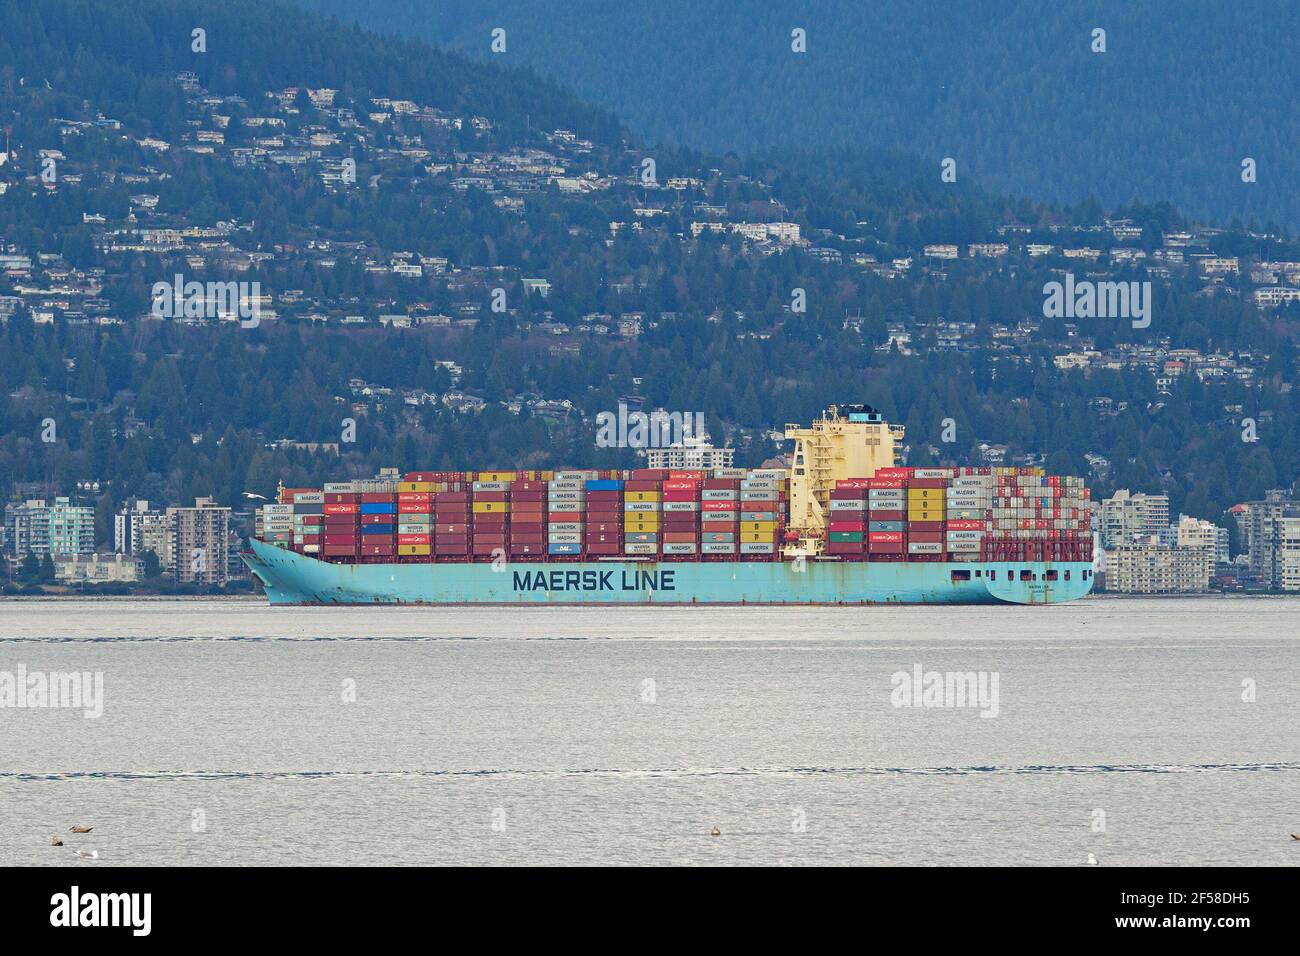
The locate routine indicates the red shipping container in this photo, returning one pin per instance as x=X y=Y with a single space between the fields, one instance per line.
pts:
x=341 y=498
x=722 y=484
x=648 y=474
x=286 y=494
x=852 y=484
x=679 y=537
x=565 y=517
x=641 y=484
x=885 y=537
x=593 y=496
x=924 y=526
x=415 y=539
x=340 y=508
x=518 y=508
x=604 y=547
x=415 y=497
x=679 y=485
x=338 y=550
x=603 y=538
x=447 y=497
x=527 y=538
x=847 y=526
x=887 y=482
x=529 y=486
x=844 y=547
x=929 y=537
x=687 y=475
x=414 y=508
x=521 y=496
x=498 y=540
x=451 y=528
x=886 y=547
x=340 y=538
x=883 y=515
x=966 y=525
x=371 y=550
x=489 y=496
x=723 y=506
x=378 y=519
x=421 y=476
x=689 y=495
x=490 y=520
x=306 y=520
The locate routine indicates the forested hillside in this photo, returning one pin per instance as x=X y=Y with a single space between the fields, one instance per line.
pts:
x=922 y=298
x=1010 y=88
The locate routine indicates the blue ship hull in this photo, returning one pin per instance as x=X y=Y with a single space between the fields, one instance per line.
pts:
x=291 y=578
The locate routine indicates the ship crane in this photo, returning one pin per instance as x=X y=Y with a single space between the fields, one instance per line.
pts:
x=852 y=441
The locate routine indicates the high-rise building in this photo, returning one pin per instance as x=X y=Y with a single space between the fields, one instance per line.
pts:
x=1195 y=533
x=55 y=528
x=1148 y=567
x=1127 y=517
x=200 y=543
x=137 y=528
x=1262 y=525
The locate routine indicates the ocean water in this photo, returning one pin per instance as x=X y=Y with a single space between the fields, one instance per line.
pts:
x=1138 y=731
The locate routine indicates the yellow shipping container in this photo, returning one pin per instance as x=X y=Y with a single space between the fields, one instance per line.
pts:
x=757 y=537
x=919 y=515
x=762 y=527
x=496 y=476
x=641 y=495
x=408 y=550
x=915 y=494
x=491 y=507
x=415 y=486
x=646 y=524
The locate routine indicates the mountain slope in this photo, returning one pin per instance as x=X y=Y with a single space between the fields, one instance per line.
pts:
x=1010 y=88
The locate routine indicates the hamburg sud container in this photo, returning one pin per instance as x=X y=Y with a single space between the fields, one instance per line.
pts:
x=887 y=515
x=847 y=522
x=415 y=519
x=341 y=534
x=719 y=518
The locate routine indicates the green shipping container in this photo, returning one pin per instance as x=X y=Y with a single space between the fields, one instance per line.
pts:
x=847 y=536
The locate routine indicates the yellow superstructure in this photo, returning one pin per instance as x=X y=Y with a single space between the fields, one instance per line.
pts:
x=849 y=442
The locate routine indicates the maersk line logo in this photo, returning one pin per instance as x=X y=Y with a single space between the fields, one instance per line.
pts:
x=1098 y=300
x=611 y=580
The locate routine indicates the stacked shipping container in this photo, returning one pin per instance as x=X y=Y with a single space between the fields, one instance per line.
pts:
x=899 y=514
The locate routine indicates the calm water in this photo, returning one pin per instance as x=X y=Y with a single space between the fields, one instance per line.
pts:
x=492 y=736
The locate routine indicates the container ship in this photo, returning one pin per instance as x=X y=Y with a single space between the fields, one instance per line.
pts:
x=844 y=524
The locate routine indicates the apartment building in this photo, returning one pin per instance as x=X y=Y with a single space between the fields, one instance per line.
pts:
x=55 y=528
x=1148 y=567
x=200 y=543
x=1126 y=517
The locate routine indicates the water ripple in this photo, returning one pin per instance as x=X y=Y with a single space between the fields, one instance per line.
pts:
x=1032 y=769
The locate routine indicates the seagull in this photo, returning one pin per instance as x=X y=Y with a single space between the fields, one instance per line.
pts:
x=56 y=842
x=1295 y=836
x=79 y=828
x=92 y=855
x=715 y=832
x=1092 y=860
